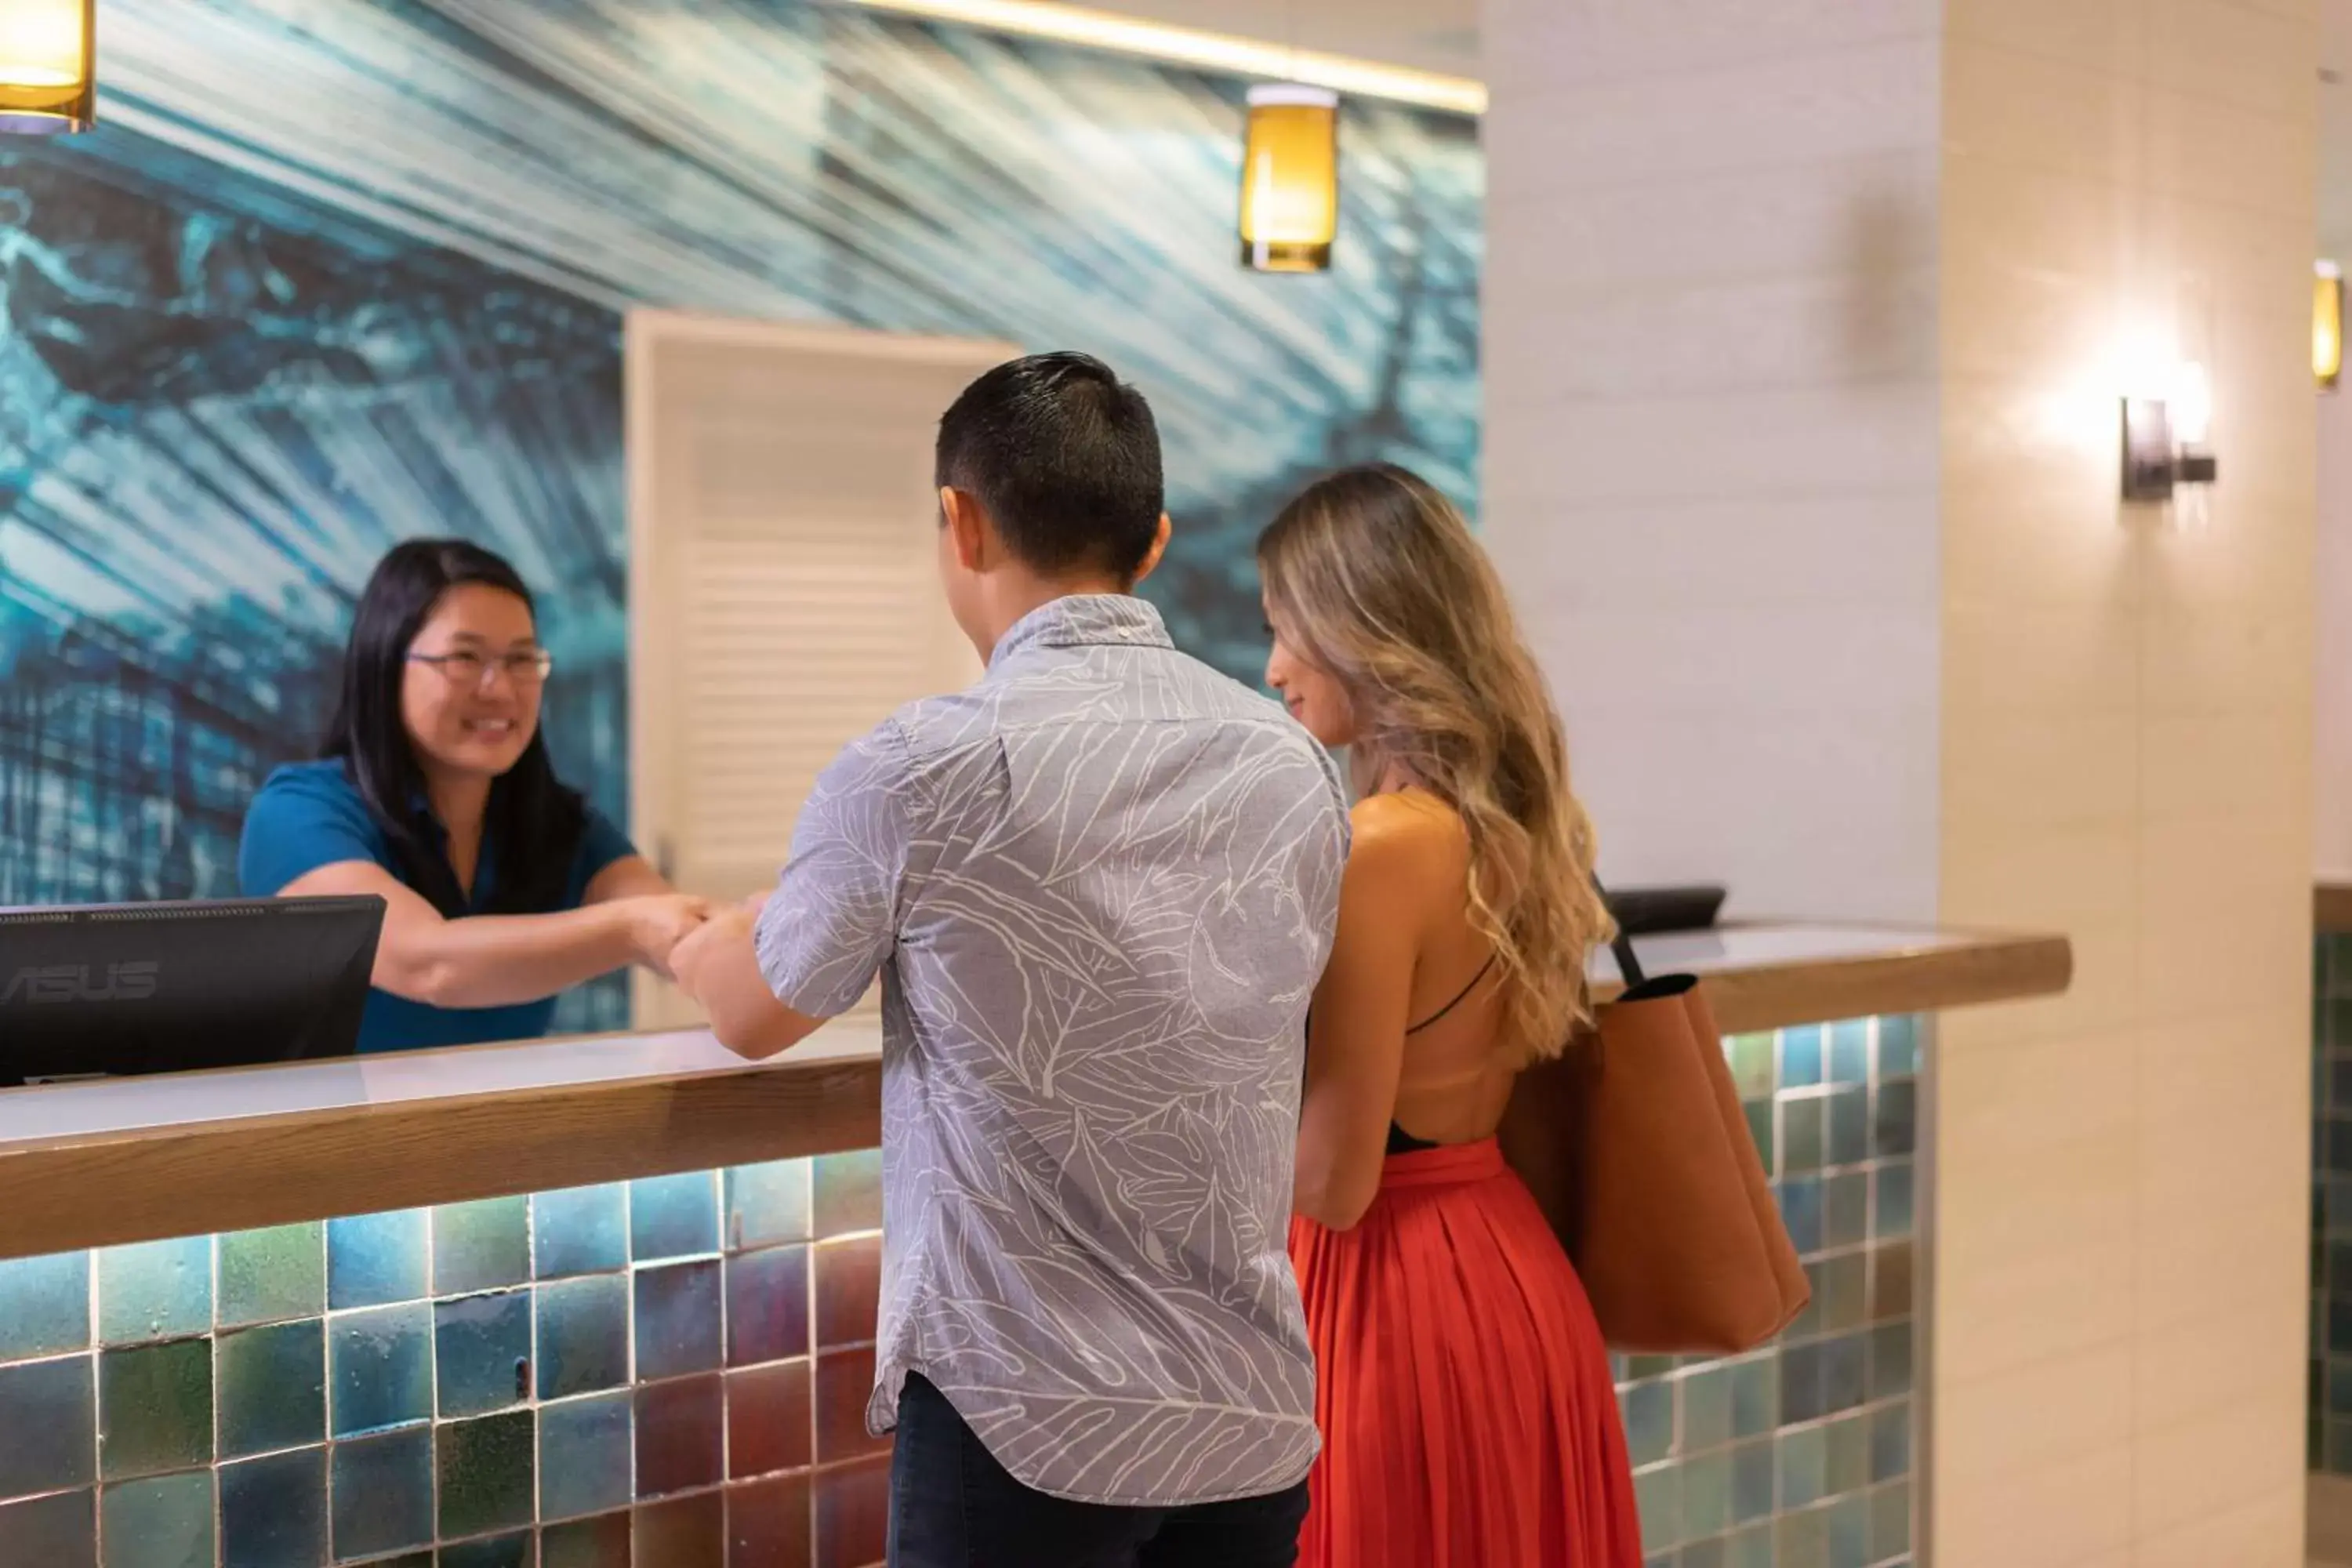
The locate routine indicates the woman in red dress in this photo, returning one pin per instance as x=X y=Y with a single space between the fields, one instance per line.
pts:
x=1464 y=1391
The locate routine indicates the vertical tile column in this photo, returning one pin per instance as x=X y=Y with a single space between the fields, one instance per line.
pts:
x=2126 y=753
x=1806 y=329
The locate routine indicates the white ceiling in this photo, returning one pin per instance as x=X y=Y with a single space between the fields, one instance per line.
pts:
x=1429 y=34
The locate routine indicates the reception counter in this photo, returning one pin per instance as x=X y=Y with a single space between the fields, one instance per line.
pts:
x=610 y=1300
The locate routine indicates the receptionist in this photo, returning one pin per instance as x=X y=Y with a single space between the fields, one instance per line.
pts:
x=434 y=791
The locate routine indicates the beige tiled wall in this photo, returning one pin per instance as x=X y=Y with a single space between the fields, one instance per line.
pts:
x=2126 y=754
x=1805 y=332
x=1710 y=355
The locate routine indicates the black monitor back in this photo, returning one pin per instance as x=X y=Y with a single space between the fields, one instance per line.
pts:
x=108 y=989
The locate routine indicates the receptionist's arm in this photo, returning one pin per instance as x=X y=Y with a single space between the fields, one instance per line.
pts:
x=496 y=961
x=308 y=833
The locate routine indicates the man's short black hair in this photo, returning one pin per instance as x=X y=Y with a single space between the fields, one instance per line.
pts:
x=1065 y=458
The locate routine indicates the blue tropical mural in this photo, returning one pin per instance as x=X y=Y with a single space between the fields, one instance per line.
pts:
x=335 y=272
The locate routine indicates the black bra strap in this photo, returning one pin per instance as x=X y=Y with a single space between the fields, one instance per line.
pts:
x=1483 y=970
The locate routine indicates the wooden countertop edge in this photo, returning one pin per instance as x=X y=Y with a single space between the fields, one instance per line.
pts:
x=238 y=1175
x=260 y=1170
x=2331 y=906
x=1918 y=980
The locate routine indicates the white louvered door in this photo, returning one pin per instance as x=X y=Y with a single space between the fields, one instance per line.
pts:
x=783 y=586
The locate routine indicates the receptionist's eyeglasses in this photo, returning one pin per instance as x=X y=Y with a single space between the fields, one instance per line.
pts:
x=472 y=671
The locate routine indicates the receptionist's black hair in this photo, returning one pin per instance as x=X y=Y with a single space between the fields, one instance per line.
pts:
x=535 y=820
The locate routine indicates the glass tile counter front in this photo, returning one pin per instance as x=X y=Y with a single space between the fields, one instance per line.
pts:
x=672 y=1371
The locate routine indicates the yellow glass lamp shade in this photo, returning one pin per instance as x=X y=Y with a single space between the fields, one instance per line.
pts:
x=49 y=70
x=1290 y=179
x=2327 y=325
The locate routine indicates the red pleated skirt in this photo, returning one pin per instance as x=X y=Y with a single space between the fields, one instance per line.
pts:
x=1461 y=1384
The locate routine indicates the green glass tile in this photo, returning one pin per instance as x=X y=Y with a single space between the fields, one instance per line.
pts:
x=1802 y=1140
x=1890 y=1362
x=1642 y=1367
x=1801 y=1540
x=44 y=1306
x=1706 y=1399
x=768 y=1204
x=482 y=1352
x=1845 y=1296
x=377 y=1259
x=1751 y=1065
x=1849 y=1051
x=382 y=1493
x=500 y=1552
x=1649 y=1412
x=46 y=1442
x=1892 y=1282
x=1703 y=1554
x=1845 y=1209
x=268 y=1275
x=1891 y=1289
x=380 y=1368
x=156 y=1290
x=1759 y=1132
x=673 y=1216
x=165 y=1522
x=1751 y=1549
x=1890 y=1442
x=1803 y=1462
x=481 y=1245
x=601 y=1542
x=1808 y=1321
x=1800 y=1057
x=1890 y=1521
x=1849 y=1532
x=155 y=1408
x=1660 y=1494
x=845 y=1192
x=1756 y=1394
x=1751 y=1481
x=486 y=1473
x=273 y=1512
x=1799 y=1199
x=580 y=1230
x=583 y=1335
x=1894 y=1120
x=1849 y=1127
x=56 y=1531
x=272 y=1385
x=1707 y=1496
x=1894 y=1200
x=1898 y=1047
x=585 y=1447
x=1800 y=1383
x=1846 y=1372
x=1849 y=1455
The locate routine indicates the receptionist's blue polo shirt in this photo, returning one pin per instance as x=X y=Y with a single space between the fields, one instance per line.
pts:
x=310 y=815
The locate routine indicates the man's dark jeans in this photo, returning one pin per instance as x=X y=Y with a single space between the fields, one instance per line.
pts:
x=953 y=1506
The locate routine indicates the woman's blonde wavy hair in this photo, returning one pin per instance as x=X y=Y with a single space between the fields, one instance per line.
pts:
x=1373 y=575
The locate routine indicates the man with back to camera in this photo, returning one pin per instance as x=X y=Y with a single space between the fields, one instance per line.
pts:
x=1099 y=887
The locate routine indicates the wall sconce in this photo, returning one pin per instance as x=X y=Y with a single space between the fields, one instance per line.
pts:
x=2326 y=324
x=1290 y=179
x=49 y=71
x=2165 y=438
